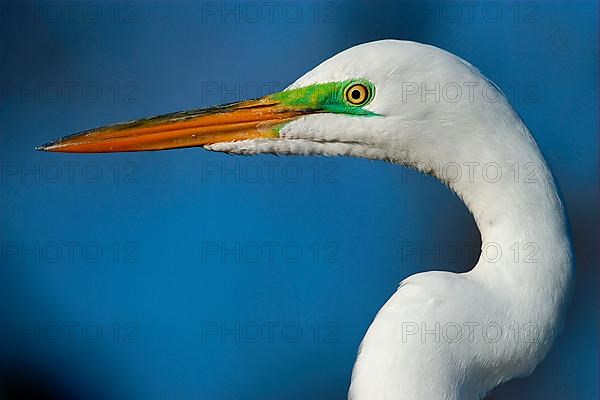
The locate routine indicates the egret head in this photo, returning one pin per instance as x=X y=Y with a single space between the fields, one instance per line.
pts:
x=392 y=100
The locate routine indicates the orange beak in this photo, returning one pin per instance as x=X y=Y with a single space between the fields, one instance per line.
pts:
x=253 y=119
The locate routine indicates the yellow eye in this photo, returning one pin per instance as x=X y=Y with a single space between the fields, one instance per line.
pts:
x=357 y=94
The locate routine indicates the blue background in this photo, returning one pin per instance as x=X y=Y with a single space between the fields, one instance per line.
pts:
x=166 y=306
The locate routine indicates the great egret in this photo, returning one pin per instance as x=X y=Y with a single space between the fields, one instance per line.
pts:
x=441 y=335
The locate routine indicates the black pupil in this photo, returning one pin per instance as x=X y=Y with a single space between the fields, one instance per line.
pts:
x=355 y=94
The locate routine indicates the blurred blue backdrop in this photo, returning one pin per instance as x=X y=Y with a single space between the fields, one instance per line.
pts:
x=188 y=274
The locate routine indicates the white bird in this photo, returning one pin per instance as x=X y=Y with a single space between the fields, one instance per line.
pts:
x=441 y=335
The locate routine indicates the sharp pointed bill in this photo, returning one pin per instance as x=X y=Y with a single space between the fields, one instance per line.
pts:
x=246 y=120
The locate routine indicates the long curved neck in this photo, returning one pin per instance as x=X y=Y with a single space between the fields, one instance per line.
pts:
x=526 y=263
x=515 y=203
x=526 y=253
